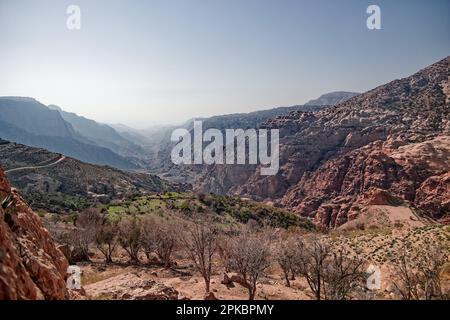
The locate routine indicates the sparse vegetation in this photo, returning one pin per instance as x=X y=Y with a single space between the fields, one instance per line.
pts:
x=418 y=275
x=106 y=239
x=249 y=255
x=232 y=209
x=83 y=235
x=331 y=273
x=160 y=237
x=130 y=237
x=288 y=255
x=200 y=244
x=172 y=231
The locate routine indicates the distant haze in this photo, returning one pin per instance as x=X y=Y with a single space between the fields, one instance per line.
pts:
x=152 y=62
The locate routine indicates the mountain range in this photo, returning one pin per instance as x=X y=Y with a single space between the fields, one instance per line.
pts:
x=390 y=145
x=100 y=134
x=27 y=121
x=339 y=153
x=34 y=136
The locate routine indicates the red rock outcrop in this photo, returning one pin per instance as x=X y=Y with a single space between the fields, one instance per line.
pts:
x=433 y=196
x=31 y=267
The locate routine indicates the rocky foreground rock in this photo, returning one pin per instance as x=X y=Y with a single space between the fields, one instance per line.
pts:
x=31 y=266
x=393 y=139
x=131 y=286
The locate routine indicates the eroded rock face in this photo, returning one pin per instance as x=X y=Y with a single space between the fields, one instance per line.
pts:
x=31 y=267
x=434 y=196
x=390 y=144
x=377 y=175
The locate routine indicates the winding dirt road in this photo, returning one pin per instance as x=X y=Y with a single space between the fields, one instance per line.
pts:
x=37 y=167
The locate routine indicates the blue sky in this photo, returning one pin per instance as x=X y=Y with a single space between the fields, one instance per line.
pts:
x=145 y=62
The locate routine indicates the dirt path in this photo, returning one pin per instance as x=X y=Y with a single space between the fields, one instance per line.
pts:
x=37 y=167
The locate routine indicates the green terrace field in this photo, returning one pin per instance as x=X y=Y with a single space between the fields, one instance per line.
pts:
x=229 y=209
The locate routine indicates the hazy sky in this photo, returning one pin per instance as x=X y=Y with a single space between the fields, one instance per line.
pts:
x=141 y=62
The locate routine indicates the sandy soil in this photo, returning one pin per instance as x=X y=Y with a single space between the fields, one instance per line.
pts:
x=104 y=278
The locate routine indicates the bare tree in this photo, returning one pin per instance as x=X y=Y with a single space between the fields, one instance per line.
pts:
x=288 y=254
x=249 y=256
x=331 y=273
x=223 y=249
x=80 y=241
x=418 y=274
x=106 y=239
x=407 y=280
x=129 y=237
x=224 y=242
x=160 y=237
x=147 y=237
x=312 y=264
x=343 y=274
x=83 y=235
x=89 y=218
x=200 y=243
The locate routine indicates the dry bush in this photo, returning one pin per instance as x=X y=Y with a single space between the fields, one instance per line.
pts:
x=89 y=218
x=223 y=248
x=90 y=227
x=311 y=265
x=129 y=236
x=86 y=223
x=160 y=237
x=344 y=274
x=331 y=273
x=418 y=274
x=249 y=255
x=200 y=242
x=147 y=237
x=288 y=255
x=106 y=239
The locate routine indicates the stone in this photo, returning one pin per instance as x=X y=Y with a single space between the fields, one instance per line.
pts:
x=31 y=265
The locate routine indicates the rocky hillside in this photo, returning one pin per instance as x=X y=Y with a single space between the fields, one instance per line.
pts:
x=70 y=184
x=386 y=146
x=27 y=121
x=160 y=162
x=31 y=266
x=332 y=98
